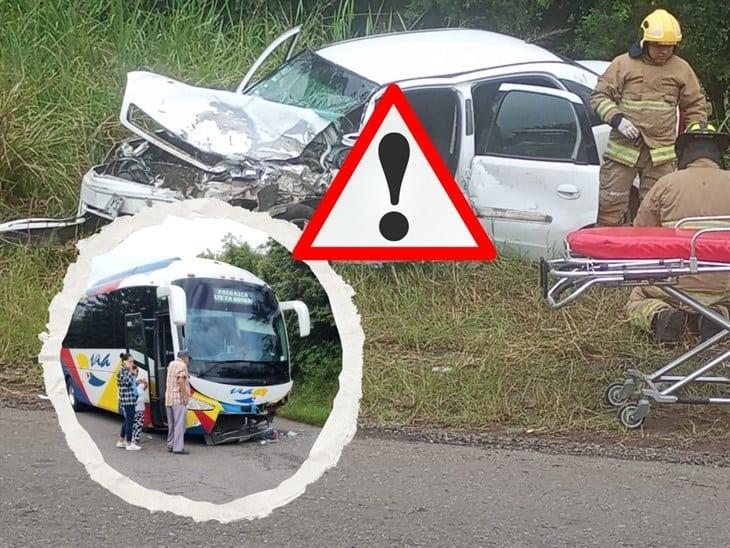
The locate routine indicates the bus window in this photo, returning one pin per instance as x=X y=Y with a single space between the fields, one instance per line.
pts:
x=167 y=354
x=136 y=344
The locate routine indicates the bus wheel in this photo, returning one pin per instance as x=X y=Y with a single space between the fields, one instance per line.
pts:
x=75 y=404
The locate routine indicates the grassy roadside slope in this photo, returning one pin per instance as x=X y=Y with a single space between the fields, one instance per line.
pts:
x=475 y=346
x=469 y=346
x=464 y=345
x=30 y=278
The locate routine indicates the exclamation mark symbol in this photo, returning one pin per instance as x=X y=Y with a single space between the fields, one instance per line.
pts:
x=394 y=153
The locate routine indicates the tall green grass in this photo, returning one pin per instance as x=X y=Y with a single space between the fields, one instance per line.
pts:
x=446 y=345
x=475 y=346
x=30 y=278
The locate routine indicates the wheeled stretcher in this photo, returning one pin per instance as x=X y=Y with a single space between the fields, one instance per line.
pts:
x=629 y=256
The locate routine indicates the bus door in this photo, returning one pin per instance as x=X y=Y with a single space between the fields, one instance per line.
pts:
x=135 y=340
x=164 y=354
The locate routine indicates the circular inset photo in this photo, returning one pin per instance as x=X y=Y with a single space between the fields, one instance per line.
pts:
x=203 y=361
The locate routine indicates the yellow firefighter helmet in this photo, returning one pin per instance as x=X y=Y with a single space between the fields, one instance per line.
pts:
x=661 y=27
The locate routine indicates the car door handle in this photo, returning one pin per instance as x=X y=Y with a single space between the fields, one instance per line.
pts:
x=568 y=192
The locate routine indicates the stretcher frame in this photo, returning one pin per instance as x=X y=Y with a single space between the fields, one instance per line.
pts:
x=633 y=396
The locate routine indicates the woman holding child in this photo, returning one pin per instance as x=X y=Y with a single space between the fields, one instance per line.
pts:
x=129 y=396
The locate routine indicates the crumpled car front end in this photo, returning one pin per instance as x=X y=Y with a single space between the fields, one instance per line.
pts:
x=202 y=143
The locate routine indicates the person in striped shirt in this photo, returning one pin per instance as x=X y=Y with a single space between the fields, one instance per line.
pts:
x=177 y=395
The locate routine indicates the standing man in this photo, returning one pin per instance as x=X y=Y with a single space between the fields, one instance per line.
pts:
x=638 y=96
x=701 y=188
x=177 y=394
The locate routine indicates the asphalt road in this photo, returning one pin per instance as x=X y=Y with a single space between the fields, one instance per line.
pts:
x=217 y=473
x=383 y=491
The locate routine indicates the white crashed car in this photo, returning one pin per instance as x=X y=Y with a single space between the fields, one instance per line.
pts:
x=511 y=120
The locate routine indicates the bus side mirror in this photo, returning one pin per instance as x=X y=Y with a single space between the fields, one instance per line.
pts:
x=177 y=301
x=302 y=314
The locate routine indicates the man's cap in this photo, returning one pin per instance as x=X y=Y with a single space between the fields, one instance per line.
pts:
x=183 y=353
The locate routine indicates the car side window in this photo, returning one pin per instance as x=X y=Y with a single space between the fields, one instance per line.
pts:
x=438 y=111
x=535 y=126
x=486 y=102
x=584 y=93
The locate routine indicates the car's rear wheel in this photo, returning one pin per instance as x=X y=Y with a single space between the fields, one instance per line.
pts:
x=297 y=214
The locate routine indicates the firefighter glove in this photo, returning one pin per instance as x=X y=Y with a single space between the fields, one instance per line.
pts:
x=625 y=127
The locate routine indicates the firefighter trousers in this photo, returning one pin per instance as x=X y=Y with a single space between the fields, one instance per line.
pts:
x=616 y=180
x=645 y=302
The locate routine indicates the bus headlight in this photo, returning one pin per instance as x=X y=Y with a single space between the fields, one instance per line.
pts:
x=197 y=405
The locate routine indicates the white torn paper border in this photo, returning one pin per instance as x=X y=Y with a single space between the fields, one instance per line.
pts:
x=337 y=432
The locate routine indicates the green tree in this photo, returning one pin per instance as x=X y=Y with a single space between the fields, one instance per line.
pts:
x=592 y=29
x=609 y=26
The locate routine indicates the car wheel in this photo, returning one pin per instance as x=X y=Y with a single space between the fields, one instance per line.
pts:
x=75 y=403
x=297 y=214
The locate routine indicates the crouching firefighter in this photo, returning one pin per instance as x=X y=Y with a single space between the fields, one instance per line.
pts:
x=638 y=96
x=700 y=188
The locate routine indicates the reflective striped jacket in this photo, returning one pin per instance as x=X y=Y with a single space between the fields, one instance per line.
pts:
x=648 y=95
x=700 y=190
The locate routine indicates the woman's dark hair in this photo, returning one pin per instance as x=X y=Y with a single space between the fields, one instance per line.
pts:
x=125 y=356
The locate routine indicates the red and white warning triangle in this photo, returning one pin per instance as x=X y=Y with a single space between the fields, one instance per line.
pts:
x=394 y=199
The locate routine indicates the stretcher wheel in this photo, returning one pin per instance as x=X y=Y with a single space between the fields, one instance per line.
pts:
x=612 y=396
x=626 y=416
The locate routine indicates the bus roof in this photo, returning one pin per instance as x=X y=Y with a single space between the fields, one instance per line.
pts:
x=167 y=271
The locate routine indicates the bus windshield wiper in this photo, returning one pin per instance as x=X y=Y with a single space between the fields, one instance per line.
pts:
x=210 y=369
x=217 y=363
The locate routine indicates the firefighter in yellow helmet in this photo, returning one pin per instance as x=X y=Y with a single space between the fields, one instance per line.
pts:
x=700 y=188
x=638 y=96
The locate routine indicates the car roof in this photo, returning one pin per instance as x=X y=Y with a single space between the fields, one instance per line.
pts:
x=392 y=57
x=597 y=66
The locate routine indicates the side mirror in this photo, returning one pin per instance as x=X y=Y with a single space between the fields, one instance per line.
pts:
x=178 y=303
x=348 y=139
x=302 y=315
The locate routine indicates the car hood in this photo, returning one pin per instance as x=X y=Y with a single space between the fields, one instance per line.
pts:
x=230 y=125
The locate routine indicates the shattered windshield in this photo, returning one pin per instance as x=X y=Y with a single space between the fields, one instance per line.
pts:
x=309 y=81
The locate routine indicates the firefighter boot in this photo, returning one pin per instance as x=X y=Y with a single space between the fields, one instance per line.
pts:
x=668 y=325
x=707 y=328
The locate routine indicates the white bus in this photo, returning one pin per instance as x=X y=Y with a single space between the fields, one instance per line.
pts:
x=230 y=321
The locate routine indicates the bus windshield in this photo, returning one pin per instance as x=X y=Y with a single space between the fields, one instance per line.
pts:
x=235 y=332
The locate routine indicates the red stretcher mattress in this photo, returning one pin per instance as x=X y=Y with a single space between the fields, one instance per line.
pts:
x=648 y=243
